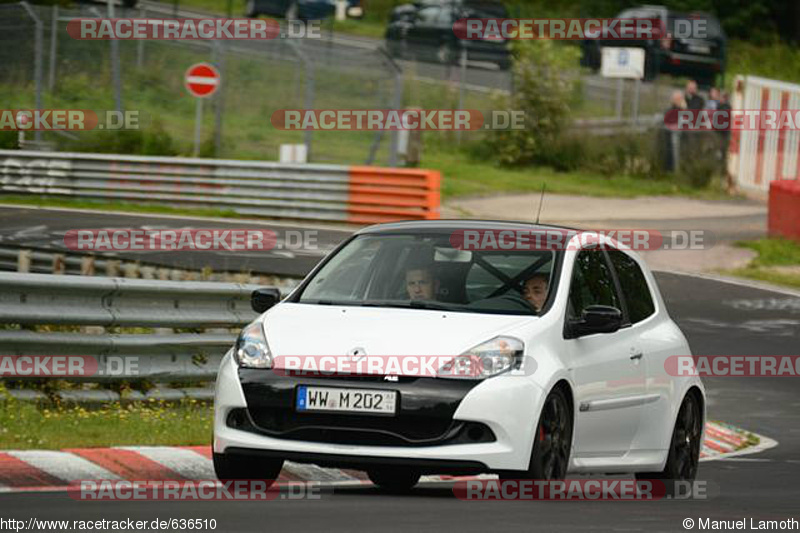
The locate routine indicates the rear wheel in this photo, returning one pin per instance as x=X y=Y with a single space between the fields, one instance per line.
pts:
x=684 y=449
x=230 y=467
x=394 y=479
x=553 y=442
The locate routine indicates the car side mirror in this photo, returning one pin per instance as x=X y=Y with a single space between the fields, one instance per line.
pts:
x=594 y=319
x=263 y=299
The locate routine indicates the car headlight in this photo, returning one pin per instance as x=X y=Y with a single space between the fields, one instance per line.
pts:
x=251 y=350
x=488 y=359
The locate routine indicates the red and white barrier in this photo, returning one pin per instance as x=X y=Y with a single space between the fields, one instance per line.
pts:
x=757 y=157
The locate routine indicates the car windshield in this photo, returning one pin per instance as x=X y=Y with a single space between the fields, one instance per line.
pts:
x=425 y=271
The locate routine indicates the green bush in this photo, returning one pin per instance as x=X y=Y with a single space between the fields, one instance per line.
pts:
x=700 y=159
x=151 y=140
x=631 y=155
x=8 y=139
x=543 y=93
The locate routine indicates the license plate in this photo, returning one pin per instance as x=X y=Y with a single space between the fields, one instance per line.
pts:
x=699 y=49
x=379 y=402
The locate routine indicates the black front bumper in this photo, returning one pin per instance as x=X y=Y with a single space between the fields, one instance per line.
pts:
x=361 y=462
x=426 y=407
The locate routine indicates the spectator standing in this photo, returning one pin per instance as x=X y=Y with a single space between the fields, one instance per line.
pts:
x=713 y=99
x=694 y=101
x=670 y=139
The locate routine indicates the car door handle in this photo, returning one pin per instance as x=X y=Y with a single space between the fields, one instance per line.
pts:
x=637 y=356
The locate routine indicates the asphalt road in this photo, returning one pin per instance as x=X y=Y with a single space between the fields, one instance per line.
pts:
x=297 y=249
x=717 y=317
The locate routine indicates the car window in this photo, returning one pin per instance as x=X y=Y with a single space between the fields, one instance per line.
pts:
x=591 y=284
x=634 y=286
x=420 y=271
x=428 y=15
x=482 y=282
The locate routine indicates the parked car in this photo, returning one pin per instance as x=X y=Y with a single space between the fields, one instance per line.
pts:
x=424 y=31
x=571 y=379
x=698 y=57
x=300 y=9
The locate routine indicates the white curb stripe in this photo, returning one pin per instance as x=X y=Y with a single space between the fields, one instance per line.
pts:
x=187 y=463
x=63 y=465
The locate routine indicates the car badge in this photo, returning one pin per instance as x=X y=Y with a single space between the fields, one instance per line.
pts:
x=357 y=353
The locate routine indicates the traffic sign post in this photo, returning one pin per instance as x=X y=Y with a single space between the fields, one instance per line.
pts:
x=624 y=63
x=201 y=80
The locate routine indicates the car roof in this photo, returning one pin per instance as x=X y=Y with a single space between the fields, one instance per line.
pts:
x=455 y=224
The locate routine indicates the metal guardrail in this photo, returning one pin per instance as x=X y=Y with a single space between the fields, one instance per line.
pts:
x=54 y=300
x=616 y=126
x=254 y=188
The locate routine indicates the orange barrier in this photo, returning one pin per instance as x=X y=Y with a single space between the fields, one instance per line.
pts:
x=784 y=209
x=378 y=194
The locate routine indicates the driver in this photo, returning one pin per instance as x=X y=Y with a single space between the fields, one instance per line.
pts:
x=535 y=290
x=420 y=283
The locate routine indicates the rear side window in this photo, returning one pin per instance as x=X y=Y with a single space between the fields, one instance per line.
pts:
x=634 y=286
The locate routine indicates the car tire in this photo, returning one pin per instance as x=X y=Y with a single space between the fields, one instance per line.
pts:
x=684 y=447
x=233 y=467
x=394 y=479
x=553 y=442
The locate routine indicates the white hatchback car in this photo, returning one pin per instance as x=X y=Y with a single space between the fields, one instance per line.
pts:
x=572 y=345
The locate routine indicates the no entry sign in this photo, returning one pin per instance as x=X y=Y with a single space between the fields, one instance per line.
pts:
x=202 y=80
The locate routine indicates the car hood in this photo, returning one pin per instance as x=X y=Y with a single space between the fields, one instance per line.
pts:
x=310 y=329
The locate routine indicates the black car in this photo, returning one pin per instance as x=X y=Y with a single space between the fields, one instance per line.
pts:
x=424 y=31
x=300 y=9
x=700 y=57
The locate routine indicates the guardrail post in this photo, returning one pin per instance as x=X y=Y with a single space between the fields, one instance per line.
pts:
x=59 y=264
x=112 y=268
x=24 y=261
x=87 y=266
x=131 y=270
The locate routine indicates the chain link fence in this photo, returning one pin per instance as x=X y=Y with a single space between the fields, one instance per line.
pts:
x=45 y=68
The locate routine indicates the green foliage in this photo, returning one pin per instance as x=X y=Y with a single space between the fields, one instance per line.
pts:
x=543 y=94
x=8 y=139
x=150 y=140
x=778 y=61
x=774 y=252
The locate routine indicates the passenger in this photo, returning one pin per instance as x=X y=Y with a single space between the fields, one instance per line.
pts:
x=535 y=290
x=420 y=283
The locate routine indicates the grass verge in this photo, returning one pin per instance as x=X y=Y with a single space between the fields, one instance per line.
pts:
x=27 y=426
x=778 y=262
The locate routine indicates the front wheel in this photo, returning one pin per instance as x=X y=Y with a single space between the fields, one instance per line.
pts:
x=393 y=479
x=553 y=441
x=684 y=448
x=230 y=467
